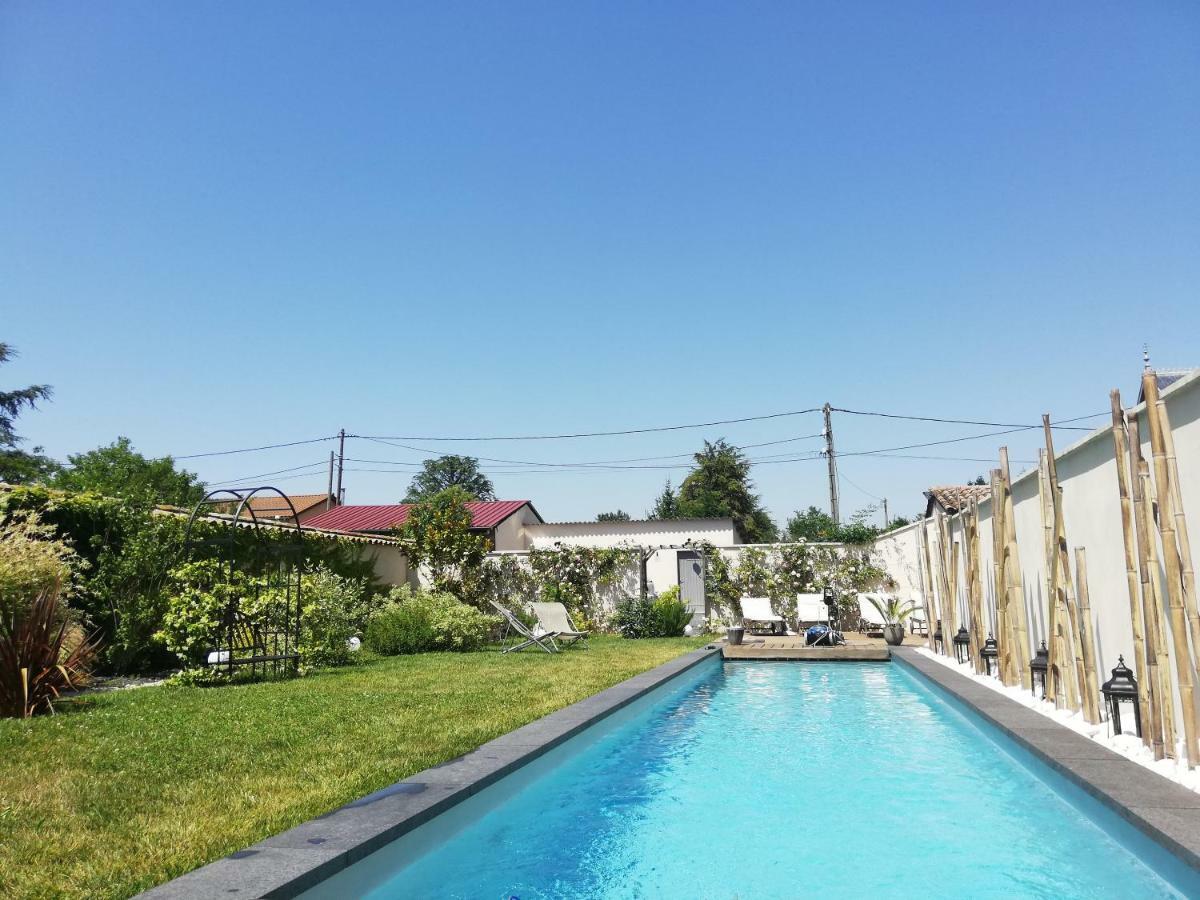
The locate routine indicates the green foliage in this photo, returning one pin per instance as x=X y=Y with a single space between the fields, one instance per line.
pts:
x=617 y=516
x=437 y=535
x=669 y=614
x=816 y=525
x=449 y=471
x=633 y=617
x=579 y=577
x=333 y=610
x=720 y=485
x=32 y=560
x=202 y=592
x=19 y=466
x=127 y=551
x=117 y=470
x=40 y=656
x=719 y=587
x=666 y=505
x=420 y=621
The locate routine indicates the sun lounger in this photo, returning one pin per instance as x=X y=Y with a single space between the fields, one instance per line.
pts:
x=918 y=622
x=538 y=636
x=811 y=608
x=554 y=619
x=758 y=609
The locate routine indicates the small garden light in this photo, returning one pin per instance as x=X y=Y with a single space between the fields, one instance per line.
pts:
x=962 y=645
x=990 y=653
x=1037 y=670
x=938 y=643
x=1122 y=688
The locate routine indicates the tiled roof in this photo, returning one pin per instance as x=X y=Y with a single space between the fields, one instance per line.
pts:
x=273 y=506
x=484 y=514
x=953 y=497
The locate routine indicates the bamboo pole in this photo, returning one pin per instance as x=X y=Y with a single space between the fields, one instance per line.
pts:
x=1162 y=740
x=1055 y=689
x=1166 y=688
x=999 y=582
x=1181 y=530
x=1136 y=616
x=1015 y=582
x=974 y=587
x=945 y=560
x=933 y=610
x=1184 y=670
x=1087 y=638
x=1060 y=579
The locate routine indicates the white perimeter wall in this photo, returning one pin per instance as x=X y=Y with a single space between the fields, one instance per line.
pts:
x=1092 y=518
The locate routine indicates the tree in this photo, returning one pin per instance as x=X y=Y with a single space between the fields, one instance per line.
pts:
x=720 y=485
x=117 y=470
x=437 y=535
x=667 y=504
x=19 y=466
x=450 y=471
x=978 y=480
x=619 y=516
x=813 y=524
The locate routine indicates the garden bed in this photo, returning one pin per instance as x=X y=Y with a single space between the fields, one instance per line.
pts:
x=123 y=790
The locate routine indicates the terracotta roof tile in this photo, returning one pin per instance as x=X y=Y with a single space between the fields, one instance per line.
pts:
x=954 y=497
x=484 y=514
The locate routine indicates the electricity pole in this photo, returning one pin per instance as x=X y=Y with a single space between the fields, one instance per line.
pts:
x=341 y=497
x=329 y=492
x=885 y=515
x=832 y=460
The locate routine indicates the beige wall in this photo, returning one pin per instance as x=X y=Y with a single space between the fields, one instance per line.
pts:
x=1092 y=519
x=511 y=534
x=391 y=565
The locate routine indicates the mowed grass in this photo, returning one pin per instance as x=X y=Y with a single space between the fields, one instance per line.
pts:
x=122 y=791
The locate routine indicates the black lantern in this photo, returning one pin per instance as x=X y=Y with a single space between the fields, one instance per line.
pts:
x=938 y=643
x=1037 y=670
x=991 y=656
x=962 y=645
x=1122 y=688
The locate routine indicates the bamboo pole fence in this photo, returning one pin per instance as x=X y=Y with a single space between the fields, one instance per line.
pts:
x=1188 y=575
x=1055 y=649
x=1087 y=639
x=974 y=585
x=1070 y=663
x=1018 y=635
x=932 y=611
x=1132 y=583
x=1184 y=670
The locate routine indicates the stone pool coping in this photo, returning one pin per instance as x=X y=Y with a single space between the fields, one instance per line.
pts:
x=1158 y=807
x=290 y=863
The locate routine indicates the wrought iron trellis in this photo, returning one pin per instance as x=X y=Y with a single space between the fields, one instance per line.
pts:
x=267 y=645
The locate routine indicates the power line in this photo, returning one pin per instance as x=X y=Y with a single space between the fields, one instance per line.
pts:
x=254 y=449
x=267 y=474
x=1064 y=426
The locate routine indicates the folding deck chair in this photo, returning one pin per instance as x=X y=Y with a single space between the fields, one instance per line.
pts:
x=554 y=619
x=544 y=640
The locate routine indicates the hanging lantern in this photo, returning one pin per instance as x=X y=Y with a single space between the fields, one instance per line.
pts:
x=938 y=644
x=1122 y=688
x=1037 y=670
x=990 y=653
x=962 y=645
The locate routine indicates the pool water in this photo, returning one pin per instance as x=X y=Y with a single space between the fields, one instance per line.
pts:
x=825 y=780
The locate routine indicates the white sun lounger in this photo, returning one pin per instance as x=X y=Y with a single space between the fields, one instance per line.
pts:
x=811 y=608
x=918 y=622
x=539 y=637
x=554 y=619
x=758 y=609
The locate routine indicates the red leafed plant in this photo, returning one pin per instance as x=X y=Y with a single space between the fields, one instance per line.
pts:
x=36 y=664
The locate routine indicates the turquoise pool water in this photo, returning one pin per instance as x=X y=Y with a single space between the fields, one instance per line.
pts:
x=831 y=780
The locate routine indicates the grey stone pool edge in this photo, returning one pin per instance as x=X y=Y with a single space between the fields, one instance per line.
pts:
x=291 y=862
x=1164 y=811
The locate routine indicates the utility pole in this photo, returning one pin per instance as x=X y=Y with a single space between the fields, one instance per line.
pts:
x=832 y=460
x=885 y=515
x=341 y=496
x=329 y=491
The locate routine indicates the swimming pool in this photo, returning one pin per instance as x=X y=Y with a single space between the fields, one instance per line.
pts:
x=746 y=779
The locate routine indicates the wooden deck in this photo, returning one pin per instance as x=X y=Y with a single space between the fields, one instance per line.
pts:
x=858 y=647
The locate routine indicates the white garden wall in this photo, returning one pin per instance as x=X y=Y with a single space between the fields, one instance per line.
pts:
x=1092 y=518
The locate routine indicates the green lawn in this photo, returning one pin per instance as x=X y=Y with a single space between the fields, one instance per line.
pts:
x=121 y=791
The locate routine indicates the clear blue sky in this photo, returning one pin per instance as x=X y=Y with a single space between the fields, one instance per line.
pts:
x=224 y=225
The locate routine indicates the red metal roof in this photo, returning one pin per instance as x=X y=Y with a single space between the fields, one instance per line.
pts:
x=484 y=514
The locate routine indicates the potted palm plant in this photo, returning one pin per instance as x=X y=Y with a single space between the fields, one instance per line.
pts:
x=895 y=613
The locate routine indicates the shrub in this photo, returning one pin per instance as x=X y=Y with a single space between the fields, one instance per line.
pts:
x=193 y=623
x=41 y=655
x=633 y=617
x=669 y=615
x=31 y=561
x=333 y=610
x=415 y=622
